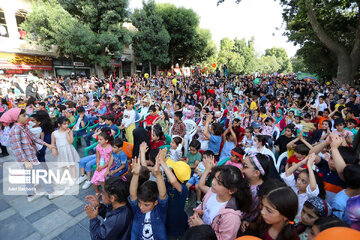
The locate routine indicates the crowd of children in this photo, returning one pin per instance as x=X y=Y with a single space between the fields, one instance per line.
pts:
x=278 y=159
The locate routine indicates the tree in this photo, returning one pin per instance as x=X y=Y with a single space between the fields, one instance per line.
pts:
x=181 y=24
x=247 y=51
x=268 y=64
x=298 y=64
x=203 y=47
x=49 y=24
x=151 y=41
x=281 y=58
x=90 y=29
x=333 y=24
x=227 y=55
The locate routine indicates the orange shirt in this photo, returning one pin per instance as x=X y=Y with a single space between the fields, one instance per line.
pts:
x=321 y=120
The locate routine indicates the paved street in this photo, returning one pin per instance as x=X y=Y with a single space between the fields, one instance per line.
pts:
x=60 y=218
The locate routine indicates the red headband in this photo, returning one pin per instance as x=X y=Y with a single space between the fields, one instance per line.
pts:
x=237 y=154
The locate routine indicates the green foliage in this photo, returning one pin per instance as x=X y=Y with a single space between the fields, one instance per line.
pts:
x=181 y=24
x=86 y=28
x=281 y=58
x=151 y=41
x=228 y=55
x=298 y=64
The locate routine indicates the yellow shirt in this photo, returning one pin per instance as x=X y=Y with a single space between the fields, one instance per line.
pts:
x=307 y=126
x=253 y=106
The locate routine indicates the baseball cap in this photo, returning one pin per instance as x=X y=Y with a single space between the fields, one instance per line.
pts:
x=181 y=169
x=256 y=125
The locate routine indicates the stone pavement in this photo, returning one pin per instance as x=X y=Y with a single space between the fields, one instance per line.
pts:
x=60 y=218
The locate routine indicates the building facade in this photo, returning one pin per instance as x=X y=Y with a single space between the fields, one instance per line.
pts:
x=17 y=56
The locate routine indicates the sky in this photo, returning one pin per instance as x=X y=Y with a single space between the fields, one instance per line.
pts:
x=259 y=18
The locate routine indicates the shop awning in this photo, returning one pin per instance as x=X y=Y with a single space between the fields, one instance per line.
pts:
x=24 y=67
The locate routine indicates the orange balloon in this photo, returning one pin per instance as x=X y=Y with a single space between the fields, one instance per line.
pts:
x=336 y=233
x=213 y=65
x=248 y=238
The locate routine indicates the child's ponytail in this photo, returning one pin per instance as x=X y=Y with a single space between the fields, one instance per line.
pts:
x=287 y=232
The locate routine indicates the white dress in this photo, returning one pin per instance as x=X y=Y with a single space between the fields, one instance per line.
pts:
x=66 y=151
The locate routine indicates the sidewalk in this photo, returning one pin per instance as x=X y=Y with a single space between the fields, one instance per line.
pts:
x=60 y=218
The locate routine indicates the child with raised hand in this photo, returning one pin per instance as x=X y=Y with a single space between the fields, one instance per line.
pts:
x=230 y=141
x=103 y=156
x=308 y=183
x=114 y=209
x=225 y=202
x=279 y=208
x=62 y=139
x=149 y=204
x=176 y=221
x=313 y=209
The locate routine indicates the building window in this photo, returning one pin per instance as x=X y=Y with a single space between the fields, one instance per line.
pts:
x=3 y=27
x=20 y=16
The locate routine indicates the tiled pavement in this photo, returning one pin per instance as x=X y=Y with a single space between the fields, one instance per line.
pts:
x=60 y=218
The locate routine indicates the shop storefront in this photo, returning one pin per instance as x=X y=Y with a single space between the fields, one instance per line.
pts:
x=65 y=67
x=14 y=63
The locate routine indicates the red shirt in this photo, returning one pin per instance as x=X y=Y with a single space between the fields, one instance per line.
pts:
x=157 y=144
x=293 y=159
x=150 y=119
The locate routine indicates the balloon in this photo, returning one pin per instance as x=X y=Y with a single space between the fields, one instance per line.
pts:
x=336 y=233
x=169 y=74
x=162 y=73
x=174 y=81
x=256 y=81
x=248 y=238
x=146 y=75
x=213 y=65
x=328 y=83
x=179 y=74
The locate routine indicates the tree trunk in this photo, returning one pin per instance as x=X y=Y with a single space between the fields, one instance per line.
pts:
x=347 y=63
x=157 y=70
x=345 y=71
x=150 y=71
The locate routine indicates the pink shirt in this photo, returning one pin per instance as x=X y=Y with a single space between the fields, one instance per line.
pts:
x=238 y=165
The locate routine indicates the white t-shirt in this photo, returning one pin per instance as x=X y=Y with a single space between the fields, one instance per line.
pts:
x=147 y=233
x=212 y=208
x=37 y=132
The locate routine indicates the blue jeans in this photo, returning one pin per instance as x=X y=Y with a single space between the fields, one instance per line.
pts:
x=87 y=162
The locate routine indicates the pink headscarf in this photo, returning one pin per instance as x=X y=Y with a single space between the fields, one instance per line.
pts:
x=10 y=116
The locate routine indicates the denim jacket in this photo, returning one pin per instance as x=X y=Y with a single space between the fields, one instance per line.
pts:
x=157 y=217
x=116 y=224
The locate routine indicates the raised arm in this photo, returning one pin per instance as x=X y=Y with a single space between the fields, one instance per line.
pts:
x=209 y=164
x=294 y=167
x=169 y=174
x=159 y=179
x=135 y=179
x=206 y=130
x=310 y=164
x=338 y=159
